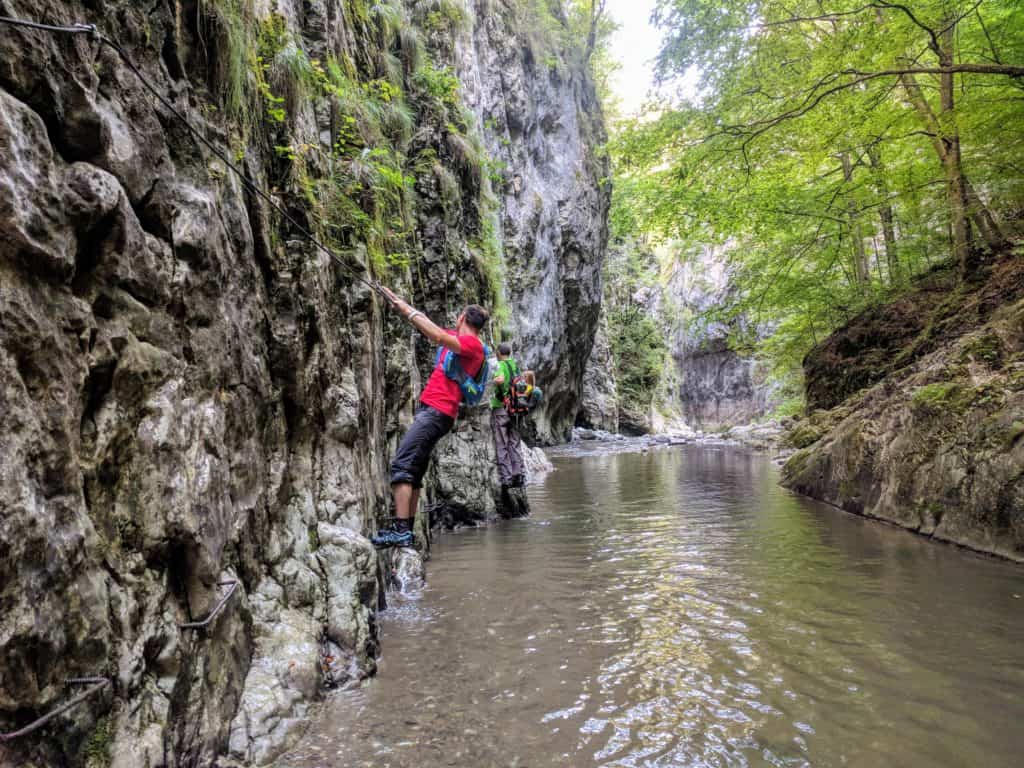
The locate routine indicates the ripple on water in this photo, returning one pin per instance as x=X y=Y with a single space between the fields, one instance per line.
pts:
x=679 y=609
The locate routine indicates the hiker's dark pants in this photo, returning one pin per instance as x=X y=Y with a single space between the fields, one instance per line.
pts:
x=413 y=455
x=507 y=444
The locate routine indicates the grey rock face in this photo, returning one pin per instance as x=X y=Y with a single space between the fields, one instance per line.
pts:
x=189 y=393
x=543 y=124
x=537 y=464
x=599 y=402
x=408 y=570
x=462 y=485
x=935 y=446
x=716 y=387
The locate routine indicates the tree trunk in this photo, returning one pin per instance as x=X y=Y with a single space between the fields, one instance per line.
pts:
x=596 y=12
x=860 y=259
x=885 y=213
x=982 y=218
x=971 y=202
x=949 y=135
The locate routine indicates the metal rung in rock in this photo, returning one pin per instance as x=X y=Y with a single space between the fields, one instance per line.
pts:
x=97 y=683
x=233 y=584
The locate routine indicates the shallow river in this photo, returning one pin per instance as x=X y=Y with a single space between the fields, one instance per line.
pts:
x=678 y=608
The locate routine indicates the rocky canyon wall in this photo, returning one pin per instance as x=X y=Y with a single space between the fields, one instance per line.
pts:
x=700 y=381
x=543 y=129
x=717 y=387
x=193 y=395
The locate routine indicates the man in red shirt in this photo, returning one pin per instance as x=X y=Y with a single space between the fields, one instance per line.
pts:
x=439 y=406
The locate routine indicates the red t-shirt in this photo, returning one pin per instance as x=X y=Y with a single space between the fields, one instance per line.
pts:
x=444 y=394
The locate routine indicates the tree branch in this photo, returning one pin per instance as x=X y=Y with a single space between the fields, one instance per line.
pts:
x=815 y=96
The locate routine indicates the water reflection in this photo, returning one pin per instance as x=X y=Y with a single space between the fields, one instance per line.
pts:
x=680 y=609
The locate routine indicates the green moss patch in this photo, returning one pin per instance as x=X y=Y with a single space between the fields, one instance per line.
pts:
x=987 y=349
x=97 y=748
x=805 y=433
x=942 y=397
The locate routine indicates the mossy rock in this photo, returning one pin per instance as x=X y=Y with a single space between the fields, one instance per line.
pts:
x=986 y=348
x=810 y=430
x=796 y=465
x=805 y=433
x=1016 y=380
x=942 y=397
x=97 y=748
x=1012 y=434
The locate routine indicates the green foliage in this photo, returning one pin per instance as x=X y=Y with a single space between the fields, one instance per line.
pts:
x=97 y=748
x=443 y=17
x=986 y=348
x=941 y=397
x=637 y=341
x=467 y=155
x=802 y=151
x=440 y=85
x=228 y=24
x=358 y=193
x=792 y=406
x=638 y=348
x=489 y=253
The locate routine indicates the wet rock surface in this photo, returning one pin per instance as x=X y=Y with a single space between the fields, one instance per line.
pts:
x=408 y=571
x=935 y=446
x=191 y=394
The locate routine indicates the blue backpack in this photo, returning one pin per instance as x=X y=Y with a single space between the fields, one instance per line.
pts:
x=472 y=388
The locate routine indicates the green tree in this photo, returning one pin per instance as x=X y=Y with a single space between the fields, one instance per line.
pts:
x=840 y=147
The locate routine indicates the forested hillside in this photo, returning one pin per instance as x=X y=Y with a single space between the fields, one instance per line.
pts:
x=839 y=148
x=854 y=173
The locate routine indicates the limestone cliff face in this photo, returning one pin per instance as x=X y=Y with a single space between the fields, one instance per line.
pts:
x=599 y=404
x=716 y=386
x=923 y=413
x=192 y=395
x=543 y=128
x=700 y=382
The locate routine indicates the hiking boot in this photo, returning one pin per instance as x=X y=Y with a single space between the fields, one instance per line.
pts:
x=392 y=537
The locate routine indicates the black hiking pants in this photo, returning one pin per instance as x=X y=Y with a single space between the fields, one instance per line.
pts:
x=507 y=444
x=413 y=455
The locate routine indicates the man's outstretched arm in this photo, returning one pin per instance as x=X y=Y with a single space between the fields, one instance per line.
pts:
x=423 y=324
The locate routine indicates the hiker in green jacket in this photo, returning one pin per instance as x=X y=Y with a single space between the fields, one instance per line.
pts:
x=514 y=395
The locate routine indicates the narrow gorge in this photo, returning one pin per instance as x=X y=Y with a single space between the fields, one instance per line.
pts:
x=194 y=395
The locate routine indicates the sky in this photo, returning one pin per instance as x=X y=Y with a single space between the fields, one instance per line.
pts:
x=634 y=45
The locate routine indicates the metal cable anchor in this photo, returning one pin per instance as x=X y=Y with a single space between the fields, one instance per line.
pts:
x=233 y=585
x=97 y=683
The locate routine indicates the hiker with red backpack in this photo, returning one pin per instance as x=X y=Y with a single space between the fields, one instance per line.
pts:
x=460 y=374
x=515 y=393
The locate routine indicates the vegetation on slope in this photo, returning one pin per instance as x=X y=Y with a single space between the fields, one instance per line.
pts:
x=840 y=149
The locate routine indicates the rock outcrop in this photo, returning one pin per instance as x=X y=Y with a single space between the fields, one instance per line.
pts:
x=669 y=367
x=599 y=402
x=192 y=394
x=716 y=387
x=928 y=432
x=543 y=129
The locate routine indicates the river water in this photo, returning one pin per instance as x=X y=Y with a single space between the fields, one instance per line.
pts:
x=679 y=608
